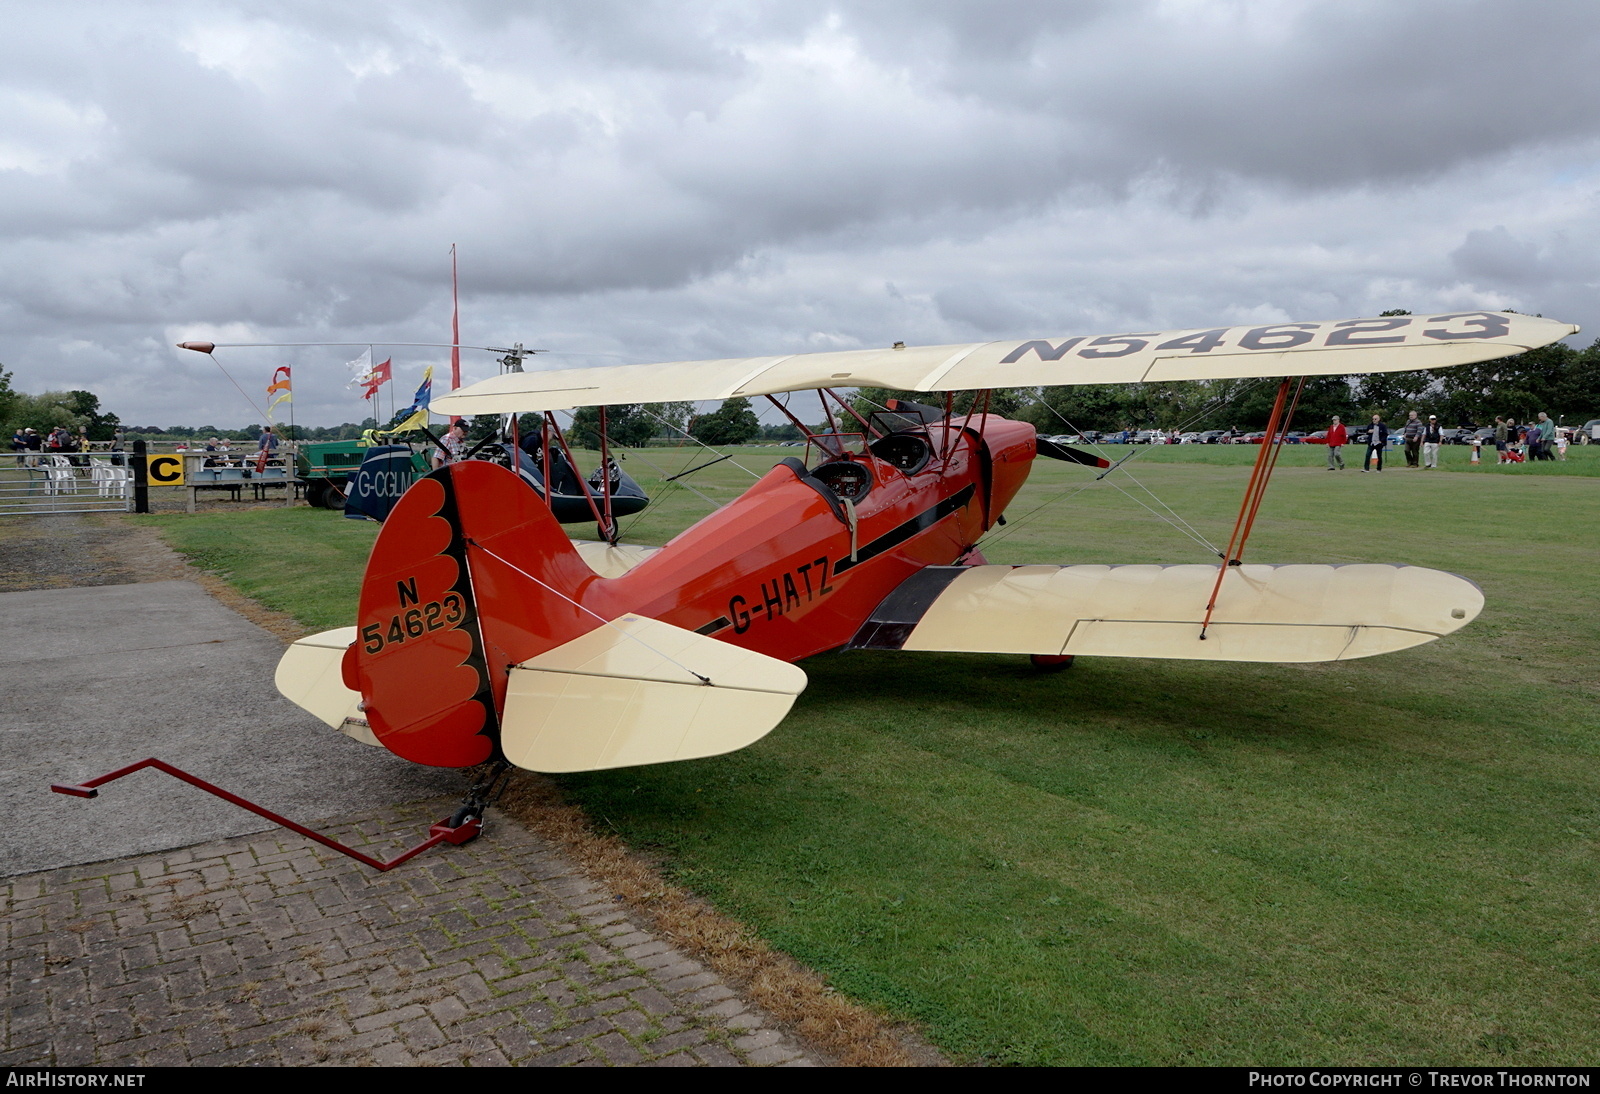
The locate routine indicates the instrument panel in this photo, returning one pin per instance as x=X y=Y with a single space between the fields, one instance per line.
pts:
x=907 y=452
x=846 y=478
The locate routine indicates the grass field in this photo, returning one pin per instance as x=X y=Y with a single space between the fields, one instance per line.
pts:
x=1380 y=861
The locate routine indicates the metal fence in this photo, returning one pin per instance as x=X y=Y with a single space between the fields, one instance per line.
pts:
x=82 y=482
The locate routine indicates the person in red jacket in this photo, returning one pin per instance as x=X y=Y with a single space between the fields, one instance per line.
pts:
x=1336 y=442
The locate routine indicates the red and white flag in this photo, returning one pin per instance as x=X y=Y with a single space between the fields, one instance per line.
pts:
x=377 y=378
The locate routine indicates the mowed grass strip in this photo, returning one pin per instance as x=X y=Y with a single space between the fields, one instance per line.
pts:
x=1391 y=860
x=304 y=562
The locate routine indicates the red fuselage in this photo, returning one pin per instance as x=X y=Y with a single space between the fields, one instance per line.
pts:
x=774 y=571
x=471 y=572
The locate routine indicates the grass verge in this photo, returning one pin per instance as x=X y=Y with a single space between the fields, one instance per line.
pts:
x=1378 y=862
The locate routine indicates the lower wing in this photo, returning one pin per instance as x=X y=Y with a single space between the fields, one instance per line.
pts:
x=1290 y=613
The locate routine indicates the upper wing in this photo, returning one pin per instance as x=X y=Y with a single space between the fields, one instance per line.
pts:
x=1264 y=613
x=1392 y=344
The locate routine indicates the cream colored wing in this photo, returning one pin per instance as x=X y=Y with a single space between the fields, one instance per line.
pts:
x=612 y=559
x=1344 y=347
x=1290 y=613
x=309 y=675
x=639 y=691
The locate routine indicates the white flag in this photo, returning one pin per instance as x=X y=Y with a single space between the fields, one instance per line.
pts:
x=360 y=368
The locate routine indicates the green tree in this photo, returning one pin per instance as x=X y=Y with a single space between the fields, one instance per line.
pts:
x=1556 y=378
x=8 y=401
x=479 y=427
x=628 y=425
x=670 y=419
x=47 y=410
x=731 y=423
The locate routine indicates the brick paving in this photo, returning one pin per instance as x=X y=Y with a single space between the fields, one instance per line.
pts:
x=269 y=949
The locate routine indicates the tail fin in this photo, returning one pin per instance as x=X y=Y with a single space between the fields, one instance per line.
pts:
x=470 y=575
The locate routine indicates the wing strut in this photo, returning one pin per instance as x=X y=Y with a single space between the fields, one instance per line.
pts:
x=608 y=523
x=1256 y=489
x=602 y=517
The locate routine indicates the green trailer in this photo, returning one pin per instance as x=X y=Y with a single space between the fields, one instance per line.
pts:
x=326 y=466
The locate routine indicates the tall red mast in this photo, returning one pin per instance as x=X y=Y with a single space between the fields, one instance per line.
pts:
x=455 y=328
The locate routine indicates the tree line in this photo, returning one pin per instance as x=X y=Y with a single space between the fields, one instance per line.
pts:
x=1557 y=379
x=72 y=410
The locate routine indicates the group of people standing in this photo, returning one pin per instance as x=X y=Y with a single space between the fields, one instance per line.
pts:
x=1532 y=441
x=1422 y=441
x=29 y=444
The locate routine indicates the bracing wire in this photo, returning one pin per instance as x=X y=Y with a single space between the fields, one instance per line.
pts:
x=669 y=482
x=696 y=440
x=607 y=622
x=1176 y=521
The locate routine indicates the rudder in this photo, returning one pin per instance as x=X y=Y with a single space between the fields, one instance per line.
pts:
x=470 y=574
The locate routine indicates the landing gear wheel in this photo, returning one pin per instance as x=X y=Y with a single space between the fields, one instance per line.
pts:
x=1050 y=663
x=332 y=497
x=462 y=816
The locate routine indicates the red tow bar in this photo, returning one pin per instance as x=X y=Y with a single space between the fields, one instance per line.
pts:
x=440 y=832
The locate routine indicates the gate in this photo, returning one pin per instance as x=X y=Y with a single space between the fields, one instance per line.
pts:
x=83 y=482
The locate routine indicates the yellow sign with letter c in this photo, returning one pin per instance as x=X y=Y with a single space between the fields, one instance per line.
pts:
x=164 y=471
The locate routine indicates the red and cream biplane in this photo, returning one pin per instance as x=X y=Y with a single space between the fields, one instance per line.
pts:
x=485 y=634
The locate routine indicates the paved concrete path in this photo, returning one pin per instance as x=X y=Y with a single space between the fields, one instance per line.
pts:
x=97 y=678
x=269 y=949
x=157 y=925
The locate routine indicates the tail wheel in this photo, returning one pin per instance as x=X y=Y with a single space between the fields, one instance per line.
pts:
x=1045 y=662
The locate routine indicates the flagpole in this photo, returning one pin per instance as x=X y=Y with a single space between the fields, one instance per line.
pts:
x=455 y=327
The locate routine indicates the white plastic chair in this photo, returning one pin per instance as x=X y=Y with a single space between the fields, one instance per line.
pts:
x=60 y=479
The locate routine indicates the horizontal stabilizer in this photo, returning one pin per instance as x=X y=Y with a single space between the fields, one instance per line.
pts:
x=612 y=559
x=639 y=691
x=1292 y=613
x=309 y=676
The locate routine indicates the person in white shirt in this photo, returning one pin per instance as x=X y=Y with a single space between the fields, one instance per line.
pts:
x=1431 y=439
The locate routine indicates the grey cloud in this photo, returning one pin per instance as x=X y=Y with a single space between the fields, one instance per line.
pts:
x=676 y=180
x=1498 y=257
x=1310 y=94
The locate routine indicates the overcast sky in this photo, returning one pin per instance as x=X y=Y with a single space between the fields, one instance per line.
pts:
x=682 y=180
